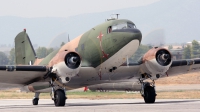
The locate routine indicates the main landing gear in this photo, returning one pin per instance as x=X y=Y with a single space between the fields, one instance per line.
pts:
x=36 y=99
x=59 y=98
x=148 y=91
x=58 y=94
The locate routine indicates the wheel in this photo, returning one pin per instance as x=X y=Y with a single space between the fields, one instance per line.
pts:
x=59 y=98
x=149 y=94
x=35 y=101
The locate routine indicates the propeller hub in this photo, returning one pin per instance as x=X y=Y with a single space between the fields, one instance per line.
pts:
x=163 y=57
x=72 y=60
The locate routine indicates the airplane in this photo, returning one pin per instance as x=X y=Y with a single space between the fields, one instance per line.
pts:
x=98 y=56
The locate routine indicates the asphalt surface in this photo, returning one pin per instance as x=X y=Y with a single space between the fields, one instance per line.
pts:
x=109 y=105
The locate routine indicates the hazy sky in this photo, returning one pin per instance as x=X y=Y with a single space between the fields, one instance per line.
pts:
x=63 y=8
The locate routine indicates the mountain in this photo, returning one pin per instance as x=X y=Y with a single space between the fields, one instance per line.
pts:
x=179 y=20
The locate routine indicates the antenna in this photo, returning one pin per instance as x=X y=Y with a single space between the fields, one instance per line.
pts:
x=113 y=18
x=68 y=38
x=117 y=15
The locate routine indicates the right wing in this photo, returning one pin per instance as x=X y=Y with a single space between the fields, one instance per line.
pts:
x=184 y=66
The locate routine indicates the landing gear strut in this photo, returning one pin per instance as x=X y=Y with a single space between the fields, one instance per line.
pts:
x=58 y=94
x=148 y=91
x=36 y=99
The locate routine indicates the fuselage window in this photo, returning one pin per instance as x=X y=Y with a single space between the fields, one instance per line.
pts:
x=82 y=46
x=109 y=29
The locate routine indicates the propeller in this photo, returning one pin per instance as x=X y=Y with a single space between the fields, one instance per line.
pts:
x=72 y=60
x=56 y=41
x=163 y=57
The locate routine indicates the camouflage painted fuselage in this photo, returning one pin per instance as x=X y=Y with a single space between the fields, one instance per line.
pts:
x=103 y=48
x=97 y=45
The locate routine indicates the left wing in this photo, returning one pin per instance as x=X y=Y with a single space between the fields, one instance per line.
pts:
x=22 y=74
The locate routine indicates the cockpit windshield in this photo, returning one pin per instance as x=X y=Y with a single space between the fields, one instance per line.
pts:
x=130 y=25
x=123 y=26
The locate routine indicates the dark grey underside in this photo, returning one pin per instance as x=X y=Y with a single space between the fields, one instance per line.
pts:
x=25 y=75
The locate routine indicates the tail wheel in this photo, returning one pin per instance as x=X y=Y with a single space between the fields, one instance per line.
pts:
x=60 y=98
x=149 y=94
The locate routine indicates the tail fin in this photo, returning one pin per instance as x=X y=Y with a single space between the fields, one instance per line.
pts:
x=24 y=51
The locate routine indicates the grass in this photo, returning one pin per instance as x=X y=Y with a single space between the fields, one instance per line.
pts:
x=104 y=95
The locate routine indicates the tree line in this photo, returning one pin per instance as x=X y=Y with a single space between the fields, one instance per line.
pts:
x=10 y=59
x=41 y=52
x=192 y=51
x=189 y=51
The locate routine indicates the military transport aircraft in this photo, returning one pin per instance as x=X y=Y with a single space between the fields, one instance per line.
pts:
x=95 y=57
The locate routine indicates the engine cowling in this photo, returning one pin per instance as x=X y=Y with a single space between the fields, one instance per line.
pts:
x=66 y=64
x=156 y=61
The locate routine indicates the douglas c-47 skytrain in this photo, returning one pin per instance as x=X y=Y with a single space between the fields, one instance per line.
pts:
x=98 y=56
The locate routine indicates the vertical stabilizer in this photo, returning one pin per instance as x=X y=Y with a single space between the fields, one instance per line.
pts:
x=24 y=51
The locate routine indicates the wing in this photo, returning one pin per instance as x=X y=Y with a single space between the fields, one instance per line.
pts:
x=184 y=66
x=177 y=67
x=22 y=74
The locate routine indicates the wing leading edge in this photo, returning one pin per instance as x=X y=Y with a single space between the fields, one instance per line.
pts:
x=184 y=66
x=179 y=66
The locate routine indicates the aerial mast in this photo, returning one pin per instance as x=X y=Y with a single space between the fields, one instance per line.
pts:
x=117 y=15
x=113 y=18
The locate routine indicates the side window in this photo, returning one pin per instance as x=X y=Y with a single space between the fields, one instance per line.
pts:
x=83 y=47
x=109 y=29
x=76 y=49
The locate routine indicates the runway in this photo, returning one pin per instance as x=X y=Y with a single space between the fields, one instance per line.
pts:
x=108 y=105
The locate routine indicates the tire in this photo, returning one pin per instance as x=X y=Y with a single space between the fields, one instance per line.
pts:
x=59 y=98
x=149 y=94
x=35 y=101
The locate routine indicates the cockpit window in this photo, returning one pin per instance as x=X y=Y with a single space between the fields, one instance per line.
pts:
x=114 y=27
x=123 y=26
x=119 y=26
x=130 y=25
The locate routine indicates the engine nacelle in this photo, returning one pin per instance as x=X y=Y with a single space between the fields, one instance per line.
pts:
x=156 y=61
x=66 y=65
